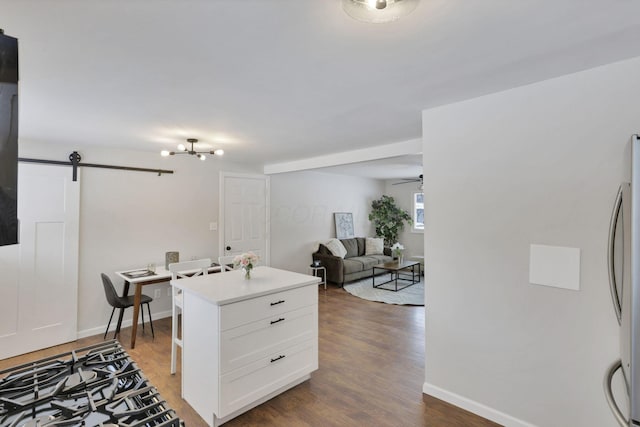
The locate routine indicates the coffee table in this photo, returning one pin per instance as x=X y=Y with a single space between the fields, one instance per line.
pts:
x=405 y=272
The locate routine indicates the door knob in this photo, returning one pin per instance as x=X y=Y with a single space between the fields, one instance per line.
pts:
x=228 y=248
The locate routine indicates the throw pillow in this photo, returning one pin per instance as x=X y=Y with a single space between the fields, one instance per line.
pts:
x=322 y=249
x=351 y=245
x=374 y=246
x=336 y=247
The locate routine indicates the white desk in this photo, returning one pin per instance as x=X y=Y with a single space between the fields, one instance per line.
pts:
x=159 y=276
x=246 y=341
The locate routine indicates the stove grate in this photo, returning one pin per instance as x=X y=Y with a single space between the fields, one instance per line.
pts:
x=91 y=386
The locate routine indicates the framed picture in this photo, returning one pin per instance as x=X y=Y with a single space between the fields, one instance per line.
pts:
x=344 y=225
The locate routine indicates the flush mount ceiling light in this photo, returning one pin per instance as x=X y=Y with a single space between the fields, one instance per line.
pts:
x=378 y=11
x=182 y=149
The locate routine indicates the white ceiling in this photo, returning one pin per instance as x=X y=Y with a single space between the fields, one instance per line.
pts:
x=279 y=80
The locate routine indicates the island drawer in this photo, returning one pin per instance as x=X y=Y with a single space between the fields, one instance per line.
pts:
x=243 y=386
x=250 y=310
x=253 y=341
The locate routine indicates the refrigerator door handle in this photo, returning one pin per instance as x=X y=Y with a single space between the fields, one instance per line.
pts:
x=609 y=394
x=611 y=254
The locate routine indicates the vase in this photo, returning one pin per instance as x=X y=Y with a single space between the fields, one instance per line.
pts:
x=247 y=273
x=170 y=258
x=400 y=259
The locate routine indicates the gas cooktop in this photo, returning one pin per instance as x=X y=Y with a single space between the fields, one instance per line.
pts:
x=98 y=385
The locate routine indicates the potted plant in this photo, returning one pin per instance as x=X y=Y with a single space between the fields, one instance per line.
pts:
x=388 y=219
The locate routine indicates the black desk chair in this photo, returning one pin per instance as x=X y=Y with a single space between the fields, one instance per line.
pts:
x=117 y=301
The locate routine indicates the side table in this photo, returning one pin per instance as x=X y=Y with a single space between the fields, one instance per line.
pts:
x=314 y=272
x=420 y=259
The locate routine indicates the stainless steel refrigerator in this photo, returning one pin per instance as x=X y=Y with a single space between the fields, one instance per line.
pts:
x=624 y=282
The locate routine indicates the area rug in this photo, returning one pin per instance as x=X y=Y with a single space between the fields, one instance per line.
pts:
x=412 y=295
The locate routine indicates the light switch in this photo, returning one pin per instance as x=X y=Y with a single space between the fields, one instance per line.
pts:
x=213 y=226
x=555 y=266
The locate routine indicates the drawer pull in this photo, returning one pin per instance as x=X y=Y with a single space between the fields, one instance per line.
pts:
x=277 y=358
x=277 y=302
x=276 y=321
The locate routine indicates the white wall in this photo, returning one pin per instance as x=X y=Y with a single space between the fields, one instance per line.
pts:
x=302 y=207
x=413 y=241
x=129 y=219
x=536 y=164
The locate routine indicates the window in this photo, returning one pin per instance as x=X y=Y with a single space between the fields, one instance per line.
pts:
x=418 y=211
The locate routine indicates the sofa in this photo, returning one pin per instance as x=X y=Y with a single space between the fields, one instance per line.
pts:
x=361 y=255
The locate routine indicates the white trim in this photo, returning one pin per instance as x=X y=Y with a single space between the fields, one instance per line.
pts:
x=413 y=211
x=473 y=406
x=267 y=207
x=99 y=330
x=412 y=146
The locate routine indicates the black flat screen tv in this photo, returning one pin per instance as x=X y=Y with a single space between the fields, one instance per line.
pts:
x=8 y=140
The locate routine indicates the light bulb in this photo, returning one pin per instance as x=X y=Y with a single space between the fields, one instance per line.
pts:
x=164 y=153
x=219 y=152
x=378 y=11
x=181 y=147
x=377 y=4
x=202 y=157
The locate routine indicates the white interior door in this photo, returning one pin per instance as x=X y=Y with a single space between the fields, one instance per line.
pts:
x=39 y=286
x=244 y=208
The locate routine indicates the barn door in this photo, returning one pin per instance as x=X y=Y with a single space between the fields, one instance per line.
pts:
x=39 y=285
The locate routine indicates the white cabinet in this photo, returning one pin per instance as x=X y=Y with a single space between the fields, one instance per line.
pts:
x=244 y=347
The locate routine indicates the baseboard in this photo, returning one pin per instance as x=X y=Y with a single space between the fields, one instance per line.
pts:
x=474 y=407
x=99 y=330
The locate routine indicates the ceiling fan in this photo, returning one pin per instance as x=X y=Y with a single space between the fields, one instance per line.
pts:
x=408 y=180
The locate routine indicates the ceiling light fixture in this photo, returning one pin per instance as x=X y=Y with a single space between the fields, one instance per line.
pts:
x=378 y=11
x=182 y=149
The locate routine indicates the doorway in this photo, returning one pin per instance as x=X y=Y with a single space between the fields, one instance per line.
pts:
x=244 y=215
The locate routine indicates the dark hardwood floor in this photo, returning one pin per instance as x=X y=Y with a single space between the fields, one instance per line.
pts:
x=371 y=371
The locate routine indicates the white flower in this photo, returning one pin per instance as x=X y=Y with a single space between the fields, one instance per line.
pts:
x=397 y=247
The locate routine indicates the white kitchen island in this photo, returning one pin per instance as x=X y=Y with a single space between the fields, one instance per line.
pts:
x=246 y=341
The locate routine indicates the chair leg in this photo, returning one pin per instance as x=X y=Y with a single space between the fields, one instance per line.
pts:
x=115 y=334
x=120 y=316
x=150 y=320
x=109 y=324
x=142 y=310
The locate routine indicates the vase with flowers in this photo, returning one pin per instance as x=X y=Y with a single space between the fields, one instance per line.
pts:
x=246 y=261
x=397 y=250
